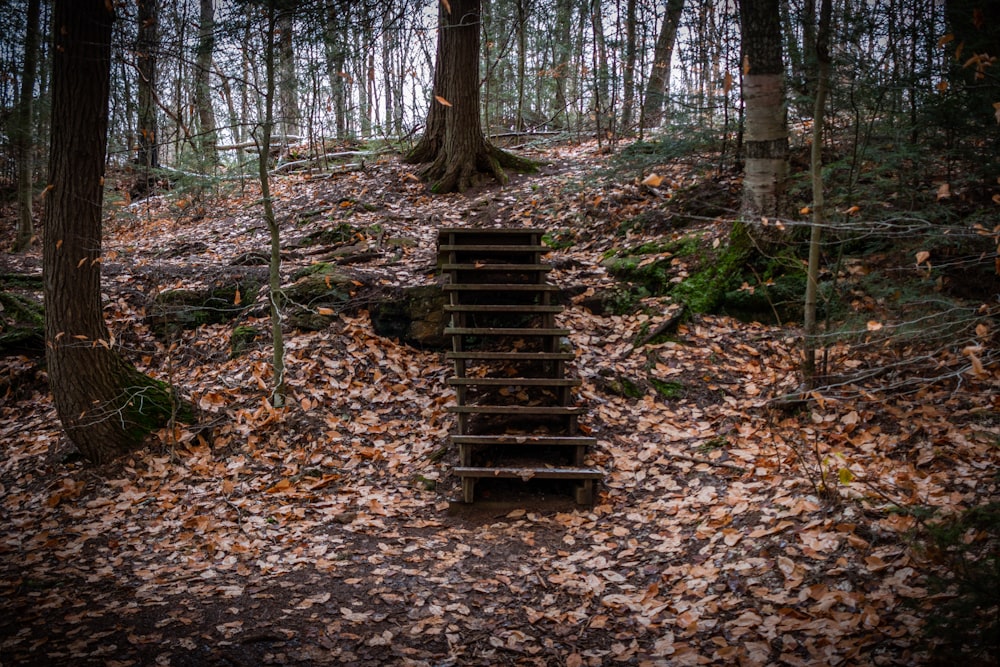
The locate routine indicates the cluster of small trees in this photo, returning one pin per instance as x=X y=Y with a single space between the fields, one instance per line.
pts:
x=181 y=84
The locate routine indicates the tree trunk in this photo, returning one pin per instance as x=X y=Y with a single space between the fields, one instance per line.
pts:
x=23 y=145
x=810 y=338
x=274 y=275
x=522 y=56
x=628 y=83
x=659 y=77
x=335 y=40
x=148 y=155
x=453 y=142
x=766 y=141
x=563 y=52
x=202 y=87
x=105 y=405
x=288 y=88
x=602 y=78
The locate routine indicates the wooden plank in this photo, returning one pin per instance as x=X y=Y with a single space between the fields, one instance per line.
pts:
x=512 y=356
x=501 y=308
x=516 y=410
x=475 y=247
x=528 y=473
x=497 y=231
x=501 y=287
x=515 y=382
x=486 y=267
x=543 y=440
x=504 y=331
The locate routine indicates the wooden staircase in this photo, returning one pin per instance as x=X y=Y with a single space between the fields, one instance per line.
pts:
x=515 y=413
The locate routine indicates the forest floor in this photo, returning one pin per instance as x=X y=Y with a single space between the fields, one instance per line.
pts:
x=726 y=530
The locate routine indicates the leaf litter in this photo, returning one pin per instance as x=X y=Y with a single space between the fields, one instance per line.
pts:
x=325 y=533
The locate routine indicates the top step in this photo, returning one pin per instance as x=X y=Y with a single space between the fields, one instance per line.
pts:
x=489 y=231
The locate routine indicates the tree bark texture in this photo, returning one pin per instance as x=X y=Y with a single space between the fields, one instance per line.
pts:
x=766 y=139
x=23 y=144
x=810 y=342
x=562 y=55
x=148 y=155
x=105 y=405
x=202 y=87
x=628 y=80
x=453 y=141
x=659 y=76
x=289 y=116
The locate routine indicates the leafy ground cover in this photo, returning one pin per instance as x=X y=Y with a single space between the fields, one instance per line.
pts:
x=730 y=528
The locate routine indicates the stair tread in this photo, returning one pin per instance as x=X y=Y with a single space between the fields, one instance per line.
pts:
x=517 y=409
x=502 y=308
x=516 y=382
x=507 y=439
x=486 y=266
x=500 y=231
x=505 y=331
x=493 y=247
x=512 y=356
x=501 y=287
x=529 y=472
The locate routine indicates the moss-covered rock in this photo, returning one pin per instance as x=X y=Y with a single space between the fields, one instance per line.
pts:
x=241 y=339
x=414 y=315
x=188 y=309
x=780 y=300
x=668 y=389
x=317 y=295
x=22 y=324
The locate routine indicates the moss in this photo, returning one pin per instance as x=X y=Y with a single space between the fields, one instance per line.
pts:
x=559 y=239
x=621 y=385
x=241 y=339
x=318 y=267
x=718 y=442
x=780 y=300
x=150 y=404
x=703 y=291
x=671 y=390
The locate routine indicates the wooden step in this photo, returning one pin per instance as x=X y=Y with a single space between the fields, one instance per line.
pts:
x=515 y=382
x=501 y=308
x=495 y=231
x=540 y=440
x=485 y=267
x=504 y=331
x=493 y=247
x=516 y=410
x=512 y=356
x=500 y=288
x=533 y=472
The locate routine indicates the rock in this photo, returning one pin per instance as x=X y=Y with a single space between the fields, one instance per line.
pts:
x=414 y=315
x=319 y=292
x=189 y=309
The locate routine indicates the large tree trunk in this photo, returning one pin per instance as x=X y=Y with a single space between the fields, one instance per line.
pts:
x=659 y=77
x=23 y=145
x=453 y=142
x=766 y=142
x=106 y=406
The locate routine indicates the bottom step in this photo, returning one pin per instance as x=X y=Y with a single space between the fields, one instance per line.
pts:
x=585 y=476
